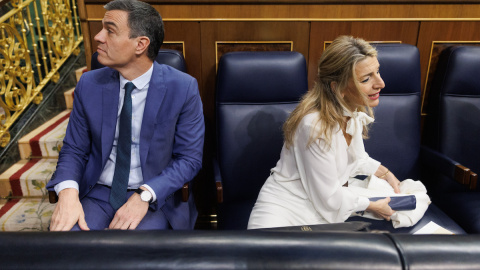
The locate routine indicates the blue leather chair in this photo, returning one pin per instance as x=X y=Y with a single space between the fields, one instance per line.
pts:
x=255 y=93
x=452 y=128
x=395 y=134
x=169 y=57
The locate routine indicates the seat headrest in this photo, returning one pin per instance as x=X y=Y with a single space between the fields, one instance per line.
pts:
x=169 y=57
x=251 y=77
x=172 y=58
x=458 y=71
x=399 y=68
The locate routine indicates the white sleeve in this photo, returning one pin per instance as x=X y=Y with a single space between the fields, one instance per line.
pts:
x=66 y=184
x=367 y=166
x=318 y=172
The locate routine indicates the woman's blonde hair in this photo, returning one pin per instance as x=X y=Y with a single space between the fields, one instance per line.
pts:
x=335 y=68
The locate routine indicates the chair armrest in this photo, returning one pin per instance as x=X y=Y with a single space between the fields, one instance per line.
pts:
x=448 y=167
x=53 y=197
x=473 y=181
x=218 y=180
x=185 y=192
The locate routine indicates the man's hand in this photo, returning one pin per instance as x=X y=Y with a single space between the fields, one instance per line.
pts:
x=68 y=212
x=130 y=214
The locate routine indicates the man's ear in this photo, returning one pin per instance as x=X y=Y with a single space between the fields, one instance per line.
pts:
x=142 y=44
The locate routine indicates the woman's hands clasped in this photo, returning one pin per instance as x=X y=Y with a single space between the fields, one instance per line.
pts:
x=381 y=208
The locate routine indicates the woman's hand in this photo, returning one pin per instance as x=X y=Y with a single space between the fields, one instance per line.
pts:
x=385 y=174
x=393 y=181
x=381 y=208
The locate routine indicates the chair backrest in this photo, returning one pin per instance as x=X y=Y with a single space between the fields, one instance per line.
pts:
x=169 y=57
x=255 y=93
x=395 y=134
x=453 y=122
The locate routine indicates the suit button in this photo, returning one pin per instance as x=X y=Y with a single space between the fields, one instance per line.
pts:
x=90 y=187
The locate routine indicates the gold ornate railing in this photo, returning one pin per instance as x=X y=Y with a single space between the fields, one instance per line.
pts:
x=36 y=38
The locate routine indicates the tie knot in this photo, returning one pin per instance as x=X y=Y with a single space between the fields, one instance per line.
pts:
x=129 y=86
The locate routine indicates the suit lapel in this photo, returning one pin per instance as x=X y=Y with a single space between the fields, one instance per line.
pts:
x=155 y=96
x=110 y=97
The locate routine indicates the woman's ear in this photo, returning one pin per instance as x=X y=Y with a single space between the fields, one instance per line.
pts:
x=333 y=86
x=142 y=44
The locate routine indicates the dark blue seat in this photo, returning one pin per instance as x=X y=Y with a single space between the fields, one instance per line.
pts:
x=452 y=128
x=395 y=134
x=255 y=93
x=169 y=57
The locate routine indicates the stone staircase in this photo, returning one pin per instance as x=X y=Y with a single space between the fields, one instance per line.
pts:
x=24 y=204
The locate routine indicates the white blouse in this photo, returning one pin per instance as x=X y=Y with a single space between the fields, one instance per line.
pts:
x=316 y=174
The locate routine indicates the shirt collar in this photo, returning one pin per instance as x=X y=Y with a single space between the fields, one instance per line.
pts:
x=139 y=82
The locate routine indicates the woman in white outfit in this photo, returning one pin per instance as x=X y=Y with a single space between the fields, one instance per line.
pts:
x=323 y=145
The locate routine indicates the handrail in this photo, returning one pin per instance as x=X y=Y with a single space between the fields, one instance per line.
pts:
x=36 y=38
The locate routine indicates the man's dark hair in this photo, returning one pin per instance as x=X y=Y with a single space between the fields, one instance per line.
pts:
x=143 y=20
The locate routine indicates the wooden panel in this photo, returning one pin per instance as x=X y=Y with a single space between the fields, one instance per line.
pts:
x=223 y=47
x=296 y=32
x=305 y=12
x=94 y=28
x=189 y=33
x=175 y=45
x=321 y=32
x=431 y=37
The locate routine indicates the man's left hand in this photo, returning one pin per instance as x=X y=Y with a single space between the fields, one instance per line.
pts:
x=130 y=214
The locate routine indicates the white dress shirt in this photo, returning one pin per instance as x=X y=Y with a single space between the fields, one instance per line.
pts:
x=306 y=185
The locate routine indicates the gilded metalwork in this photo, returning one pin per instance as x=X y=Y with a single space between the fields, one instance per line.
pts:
x=15 y=70
x=36 y=38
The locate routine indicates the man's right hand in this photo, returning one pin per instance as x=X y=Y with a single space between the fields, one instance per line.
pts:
x=68 y=212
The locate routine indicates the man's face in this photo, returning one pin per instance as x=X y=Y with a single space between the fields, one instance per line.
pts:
x=115 y=48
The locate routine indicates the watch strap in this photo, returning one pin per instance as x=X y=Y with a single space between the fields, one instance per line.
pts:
x=139 y=191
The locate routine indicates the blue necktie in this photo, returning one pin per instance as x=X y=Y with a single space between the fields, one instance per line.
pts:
x=118 y=194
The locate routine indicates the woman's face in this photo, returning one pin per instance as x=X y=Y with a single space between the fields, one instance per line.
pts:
x=369 y=83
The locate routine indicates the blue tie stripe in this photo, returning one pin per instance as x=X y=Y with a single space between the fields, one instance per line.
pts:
x=118 y=193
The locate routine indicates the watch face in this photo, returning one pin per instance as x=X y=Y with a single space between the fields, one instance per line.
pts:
x=146 y=196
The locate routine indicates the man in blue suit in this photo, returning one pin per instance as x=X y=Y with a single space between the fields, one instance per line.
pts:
x=125 y=176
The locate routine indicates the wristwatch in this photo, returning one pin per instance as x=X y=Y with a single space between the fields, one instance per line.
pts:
x=145 y=195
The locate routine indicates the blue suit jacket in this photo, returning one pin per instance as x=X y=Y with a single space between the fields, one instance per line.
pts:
x=171 y=137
